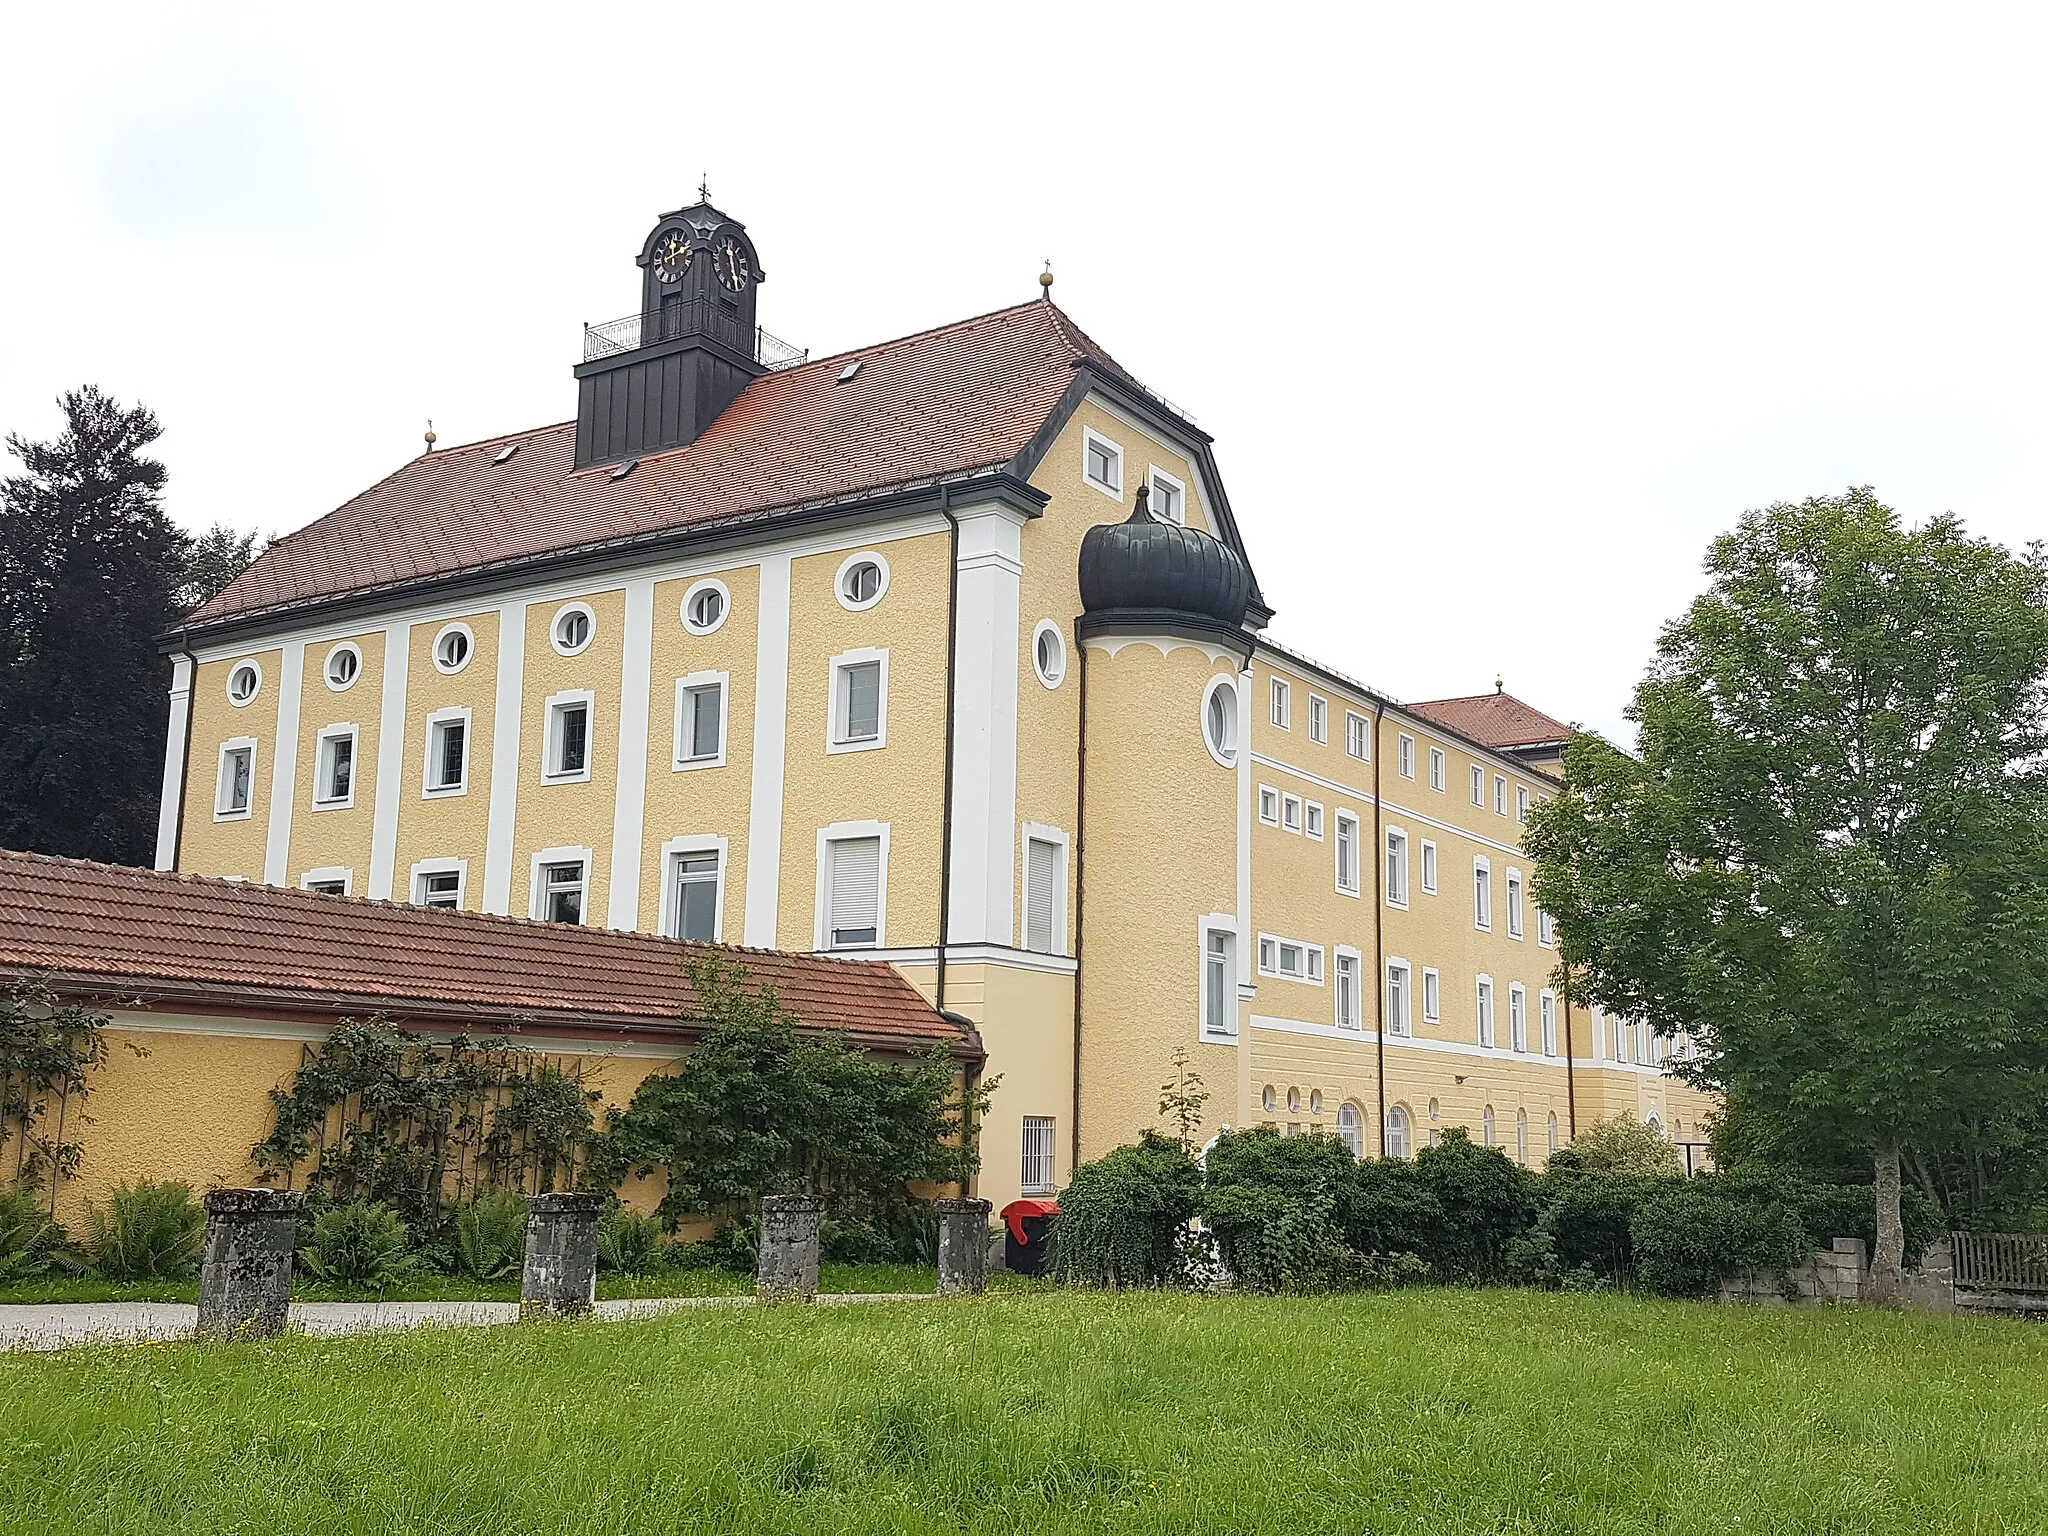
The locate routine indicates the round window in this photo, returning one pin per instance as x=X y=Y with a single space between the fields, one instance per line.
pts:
x=344 y=662
x=245 y=680
x=862 y=581
x=573 y=626
x=1267 y=1100
x=452 y=647
x=705 y=607
x=1049 y=653
x=1219 y=721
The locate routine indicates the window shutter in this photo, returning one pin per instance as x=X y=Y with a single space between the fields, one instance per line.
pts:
x=1041 y=867
x=856 y=890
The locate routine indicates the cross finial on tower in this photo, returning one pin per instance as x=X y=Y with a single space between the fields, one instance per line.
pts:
x=704 y=188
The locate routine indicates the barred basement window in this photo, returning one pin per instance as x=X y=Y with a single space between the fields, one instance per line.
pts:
x=1038 y=1154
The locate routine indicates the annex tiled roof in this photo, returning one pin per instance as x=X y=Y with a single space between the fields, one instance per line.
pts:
x=224 y=945
x=936 y=406
x=1498 y=720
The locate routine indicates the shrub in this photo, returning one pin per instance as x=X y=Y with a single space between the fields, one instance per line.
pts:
x=1828 y=1211
x=31 y=1243
x=360 y=1244
x=153 y=1231
x=1392 y=1208
x=1587 y=1216
x=1688 y=1236
x=1485 y=1199
x=627 y=1243
x=1123 y=1218
x=490 y=1236
x=1279 y=1206
x=1623 y=1144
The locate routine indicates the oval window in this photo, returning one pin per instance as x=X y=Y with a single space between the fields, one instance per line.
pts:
x=1219 y=721
x=344 y=662
x=1049 y=653
x=573 y=629
x=1315 y=1102
x=1266 y=1099
x=862 y=581
x=1294 y=1101
x=244 y=682
x=704 y=608
x=452 y=648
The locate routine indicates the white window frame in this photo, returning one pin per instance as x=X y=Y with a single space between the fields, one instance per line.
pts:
x=685 y=687
x=1280 y=696
x=1225 y=757
x=1398 y=1115
x=835 y=723
x=1347 y=820
x=1312 y=820
x=328 y=875
x=1432 y=995
x=415 y=881
x=1546 y=927
x=1318 y=719
x=1515 y=912
x=1482 y=893
x=843 y=831
x=221 y=781
x=1159 y=477
x=1400 y=1021
x=690 y=596
x=468 y=648
x=552 y=712
x=1050 y=680
x=1439 y=769
x=1546 y=1018
x=1269 y=800
x=1404 y=755
x=1351 y=1128
x=537 y=893
x=1040 y=832
x=255 y=668
x=1427 y=862
x=589 y=632
x=1345 y=954
x=1522 y=804
x=1290 y=813
x=1395 y=870
x=692 y=846
x=1479 y=786
x=429 y=790
x=1313 y=973
x=1485 y=1011
x=1112 y=488
x=1038 y=1148
x=1500 y=795
x=322 y=740
x=345 y=648
x=1225 y=924
x=1518 y=1018
x=862 y=557
x=1358 y=729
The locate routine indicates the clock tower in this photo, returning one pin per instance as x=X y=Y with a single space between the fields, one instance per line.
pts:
x=658 y=378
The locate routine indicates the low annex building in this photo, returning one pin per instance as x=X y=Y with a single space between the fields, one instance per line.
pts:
x=947 y=652
x=216 y=987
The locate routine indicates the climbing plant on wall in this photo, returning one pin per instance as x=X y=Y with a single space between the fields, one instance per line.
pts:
x=46 y=1048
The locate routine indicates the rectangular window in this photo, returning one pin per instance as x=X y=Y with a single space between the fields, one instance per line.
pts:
x=1219 y=979
x=1486 y=1012
x=1169 y=500
x=1347 y=853
x=1428 y=867
x=326 y=887
x=1397 y=868
x=447 y=753
x=693 y=911
x=1347 y=991
x=1478 y=785
x=568 y=750
x=1290 y=812
x=438 y=888
x=853 y=899
x=1405 y=756
x=236 y=785
x=1500 y=795
x=859 y=706
x=1103 y=462
x=1269 y=806
x=1432 y=995
x=1290 y=959
x=1518 y=1018
x=1283 y=703
x=700 y=721
x=1318 y=719
x=1269 y=950
x=1546 y=930
x=1438 y=774
x=1482 y=895
x=1042 y=891
x=1546 y=1005
x=1397 y=997
x=562 y=889
x=1521 y=804
x=335 y=784
x=1312 y=820
x=1354 y=735
x=1514 y=903
x=1038 y=1146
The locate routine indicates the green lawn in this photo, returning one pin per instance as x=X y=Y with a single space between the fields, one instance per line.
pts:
x=1439 y=1411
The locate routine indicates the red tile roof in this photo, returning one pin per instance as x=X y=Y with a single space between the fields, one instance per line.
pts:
x=936 y=406
x=1497 y=720
x=221 y=946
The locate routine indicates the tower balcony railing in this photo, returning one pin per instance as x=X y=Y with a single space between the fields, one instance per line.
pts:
x=691 y=317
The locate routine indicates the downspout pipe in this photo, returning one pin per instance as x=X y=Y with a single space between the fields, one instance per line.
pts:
x=1571 y=1088
x=1080 y=887
x=952 y=693
x=1379 y=917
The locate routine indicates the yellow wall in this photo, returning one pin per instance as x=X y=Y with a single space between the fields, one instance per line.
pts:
x=208 y=846
x=447 y=826
x=337 y=836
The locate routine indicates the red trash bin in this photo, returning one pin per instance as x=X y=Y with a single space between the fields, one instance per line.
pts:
x=1027 y=1224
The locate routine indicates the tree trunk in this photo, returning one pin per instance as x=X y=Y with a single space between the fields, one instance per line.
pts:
x=1890 y=1255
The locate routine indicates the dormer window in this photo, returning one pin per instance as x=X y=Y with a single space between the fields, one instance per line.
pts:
x=1102 y=461
x=1169 y=501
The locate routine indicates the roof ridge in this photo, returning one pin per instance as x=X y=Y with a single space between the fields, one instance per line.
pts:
x=899 y=341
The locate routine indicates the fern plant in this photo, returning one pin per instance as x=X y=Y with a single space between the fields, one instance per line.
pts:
x=151 y=1231
x=361 y=1244
x=490 y=1236
x=628 y=1244
x=30 y=1242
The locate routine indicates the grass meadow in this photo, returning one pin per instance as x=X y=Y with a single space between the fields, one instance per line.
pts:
x=1441 y=1411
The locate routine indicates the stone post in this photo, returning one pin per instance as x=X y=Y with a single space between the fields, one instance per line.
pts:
x=789 y=1248
x=245 y=1273
x=963 y=1246
x=560 y=1278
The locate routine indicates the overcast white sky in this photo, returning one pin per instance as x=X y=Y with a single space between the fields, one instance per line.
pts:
x=1501 y=311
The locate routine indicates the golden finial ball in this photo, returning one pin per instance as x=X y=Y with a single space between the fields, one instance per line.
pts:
x=1045 y=278
x=431 y=438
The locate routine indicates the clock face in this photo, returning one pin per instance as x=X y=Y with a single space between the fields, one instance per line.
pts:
x=672 y=255
x=729 y=261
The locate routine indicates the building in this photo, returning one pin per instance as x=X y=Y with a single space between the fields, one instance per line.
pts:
x=945 y=651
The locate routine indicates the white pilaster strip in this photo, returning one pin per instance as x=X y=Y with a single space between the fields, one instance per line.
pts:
x=174 y=763
x=981 y=903
x=1244 y=825
x=505 y=757
x=771 y=732
x=629 y=803
x=284 y=764
x=390 y=760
